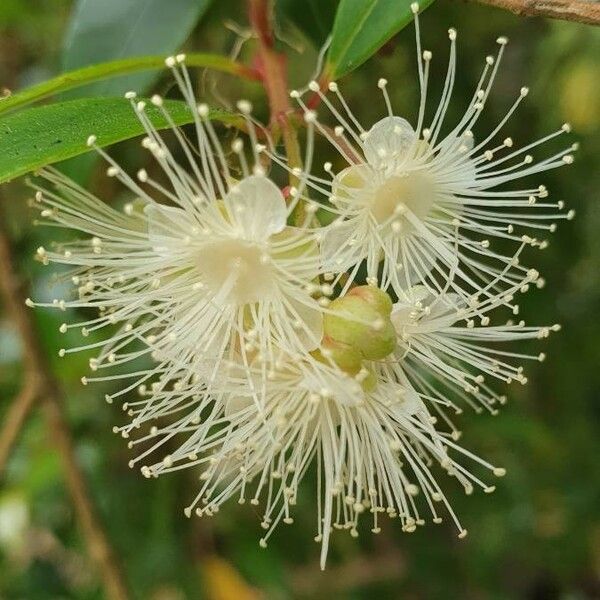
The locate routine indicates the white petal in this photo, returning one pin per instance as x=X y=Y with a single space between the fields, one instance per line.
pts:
x=257 y=206
x=410 y=403
x=402 y=310
x=166 y=220
x=342 y=389
x=310 y=332
x=463 y=165
x=446 y=306
x=389 y=140
x=403 y=398
x=167 y=225
x=341 y=245
x=417 y=293
x=401 y=315
x=353 y=185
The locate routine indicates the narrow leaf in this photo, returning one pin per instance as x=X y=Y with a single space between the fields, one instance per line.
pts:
x=313 y=17
x=115 y=29
x=361 y=27
x=36 y=137
x=80 y=77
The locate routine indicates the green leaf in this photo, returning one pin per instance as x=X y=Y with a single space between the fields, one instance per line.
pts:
x=36 y=137
x=361 y=27
x=80 y=77
x=115 y=29
x=313 y=17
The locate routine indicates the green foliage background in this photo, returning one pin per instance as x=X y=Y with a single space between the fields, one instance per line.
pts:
x=537 y=537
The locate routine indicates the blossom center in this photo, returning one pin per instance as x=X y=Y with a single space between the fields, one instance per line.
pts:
x=241 y=271
x=398 y=194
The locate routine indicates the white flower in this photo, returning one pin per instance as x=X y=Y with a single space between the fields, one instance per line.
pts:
x=373 y=436
x=419 y=203
x=192 y=271
x=373 y=443
x=256 y=377
x=452 y=353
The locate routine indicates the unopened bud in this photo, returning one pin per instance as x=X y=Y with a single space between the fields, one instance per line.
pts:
x=346 y=357
x=361 y=319
x=374 y=297
x=367 y=379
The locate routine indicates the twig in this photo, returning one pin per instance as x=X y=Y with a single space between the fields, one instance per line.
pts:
x=14 y=420
x=98 y=545
x=565 y=10
x=46 y=388
x=274 y=77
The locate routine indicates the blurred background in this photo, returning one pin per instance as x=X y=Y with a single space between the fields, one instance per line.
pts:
x=537 y=536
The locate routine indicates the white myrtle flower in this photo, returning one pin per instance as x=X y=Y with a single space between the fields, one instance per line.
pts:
x=419 y=201
x=452 y=352
x=194 y=271
x=267 y=361
x=373 y=446
x=373 y=434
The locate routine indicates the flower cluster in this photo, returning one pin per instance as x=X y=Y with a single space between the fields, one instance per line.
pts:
x=260 y=345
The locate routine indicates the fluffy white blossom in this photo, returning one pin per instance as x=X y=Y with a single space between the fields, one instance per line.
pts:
x=263 y=359
x=191 y=271
x=428 y=201
x=374 y=446
x=377 y=437
x=455 y=354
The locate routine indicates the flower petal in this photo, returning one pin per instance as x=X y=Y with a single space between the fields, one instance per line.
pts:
x=166 y=225
x=352 y=187
x=406 y=402
x=165 y=220
x=340 y=245
x=257 y=206
x=235 y=404
x=310 y=332
x=344 y=390
x=410 y=402
x=388 y=141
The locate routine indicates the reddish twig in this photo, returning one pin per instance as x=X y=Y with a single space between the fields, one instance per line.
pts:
x=274 y=76
x=45 y=388
x=14 y=419
x=565 y=10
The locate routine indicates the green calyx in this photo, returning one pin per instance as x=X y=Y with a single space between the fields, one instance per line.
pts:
x=374 y=297
x=361 y=322
x=346 y=357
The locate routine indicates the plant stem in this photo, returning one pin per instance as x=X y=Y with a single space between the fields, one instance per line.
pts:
x=45 y=388
x=14 y=419
x=565 y=10
x=275 y=81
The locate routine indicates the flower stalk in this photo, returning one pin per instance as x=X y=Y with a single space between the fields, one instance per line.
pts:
x=274 y=74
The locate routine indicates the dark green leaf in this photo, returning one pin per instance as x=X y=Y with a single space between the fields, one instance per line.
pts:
x=361 y=27
x=115 y=29
x=313 y=17
x=40 y=136
x=94 y=73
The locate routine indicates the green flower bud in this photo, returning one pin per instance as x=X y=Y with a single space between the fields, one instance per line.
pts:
x=362 y=320
x=367 y=379
x=374 y=297
x=346 y=357
x=381 y=343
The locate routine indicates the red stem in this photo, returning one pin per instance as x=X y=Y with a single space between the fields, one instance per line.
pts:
x=274 y=77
